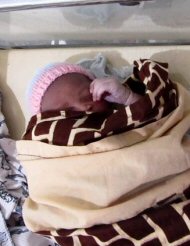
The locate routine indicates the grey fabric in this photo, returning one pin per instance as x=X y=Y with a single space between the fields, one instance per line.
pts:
x=101 y=68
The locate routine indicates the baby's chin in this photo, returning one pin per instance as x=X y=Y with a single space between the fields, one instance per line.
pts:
x=101 y=106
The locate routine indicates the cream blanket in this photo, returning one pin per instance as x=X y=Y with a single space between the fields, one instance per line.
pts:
x=109 y=180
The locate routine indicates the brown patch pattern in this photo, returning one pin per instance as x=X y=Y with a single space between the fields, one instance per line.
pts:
x=165 y=224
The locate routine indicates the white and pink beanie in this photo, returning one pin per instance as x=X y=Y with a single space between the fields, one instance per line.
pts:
x=44 y=78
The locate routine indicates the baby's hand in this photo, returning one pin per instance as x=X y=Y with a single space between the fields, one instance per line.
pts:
x=110 y=90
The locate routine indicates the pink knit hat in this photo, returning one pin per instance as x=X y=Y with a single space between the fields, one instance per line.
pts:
x=44 y=79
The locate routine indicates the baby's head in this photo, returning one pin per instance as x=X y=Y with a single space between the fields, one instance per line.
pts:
x=71 y=92
x=63 y=87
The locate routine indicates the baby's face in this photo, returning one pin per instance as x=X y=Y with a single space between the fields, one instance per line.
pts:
x=71 y=92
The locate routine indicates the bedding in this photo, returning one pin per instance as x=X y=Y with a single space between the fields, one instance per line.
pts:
x=88 y=192
x=165 y=224
x=12 y=230
x=13 y=191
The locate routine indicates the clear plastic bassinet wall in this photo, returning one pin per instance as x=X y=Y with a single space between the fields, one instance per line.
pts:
x=34 y=33
x=44 y=23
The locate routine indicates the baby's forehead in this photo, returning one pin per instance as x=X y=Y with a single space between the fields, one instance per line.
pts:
x=67 y=84
x=64 y=91
x=73 y=79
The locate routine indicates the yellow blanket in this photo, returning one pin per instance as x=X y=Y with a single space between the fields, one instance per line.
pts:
x=109 y=180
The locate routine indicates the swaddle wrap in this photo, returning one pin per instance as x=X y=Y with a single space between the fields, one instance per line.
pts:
x=111 y=179
x=81 y=128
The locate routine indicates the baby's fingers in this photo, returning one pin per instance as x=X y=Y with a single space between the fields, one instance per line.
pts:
x=91 y=87
x=109 y=98
x=96 y=89
x=97 y=93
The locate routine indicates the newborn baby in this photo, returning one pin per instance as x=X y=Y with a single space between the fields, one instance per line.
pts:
x=78 y=92
x=69 y=98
